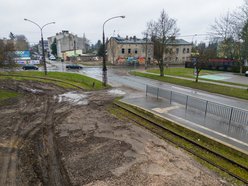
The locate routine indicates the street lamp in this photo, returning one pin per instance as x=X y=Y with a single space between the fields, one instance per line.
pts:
x=42 y=41
x=104 y=67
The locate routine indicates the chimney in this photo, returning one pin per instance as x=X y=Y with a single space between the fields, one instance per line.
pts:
x=134 y=38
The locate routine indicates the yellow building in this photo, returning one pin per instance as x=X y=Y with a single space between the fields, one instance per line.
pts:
x=131 y=50
x=180 y=51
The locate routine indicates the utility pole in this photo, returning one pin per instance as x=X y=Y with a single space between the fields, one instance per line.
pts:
x=42 y=42
x=146 y=62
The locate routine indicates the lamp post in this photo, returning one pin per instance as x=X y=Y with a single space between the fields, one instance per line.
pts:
x=104 y=67
x=42 y=41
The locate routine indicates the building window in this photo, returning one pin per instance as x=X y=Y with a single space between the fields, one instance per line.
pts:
x=136 y=51
x=177 y=50
x=184 y=50
x=187 y=50
x=129 y=50
x=123 y=50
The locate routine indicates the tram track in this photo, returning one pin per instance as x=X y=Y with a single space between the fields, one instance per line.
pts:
x=216 y=159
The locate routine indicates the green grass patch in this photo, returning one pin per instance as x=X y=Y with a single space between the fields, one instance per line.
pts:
x=17 y=78
x=82 y=81
x=191 y=136
x=6 y=94
x=183 y=72
x=189 y=73
x=219 y=89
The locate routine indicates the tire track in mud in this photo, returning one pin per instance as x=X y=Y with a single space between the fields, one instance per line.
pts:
x=9 y=163
x=23 y=131
x=56 y=172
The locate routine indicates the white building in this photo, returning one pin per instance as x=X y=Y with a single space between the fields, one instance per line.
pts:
x=66 y=41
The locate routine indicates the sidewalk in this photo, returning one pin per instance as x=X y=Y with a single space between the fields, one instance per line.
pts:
x=210 y=126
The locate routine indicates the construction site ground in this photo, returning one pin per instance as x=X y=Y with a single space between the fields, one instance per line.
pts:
x=55 y=136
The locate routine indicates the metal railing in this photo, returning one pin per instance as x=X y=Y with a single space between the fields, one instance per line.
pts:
x=234 y=116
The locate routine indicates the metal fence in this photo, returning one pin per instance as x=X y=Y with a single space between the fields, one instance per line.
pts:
x=234 y=116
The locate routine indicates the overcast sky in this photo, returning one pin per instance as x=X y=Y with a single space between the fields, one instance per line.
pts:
x=87 y=16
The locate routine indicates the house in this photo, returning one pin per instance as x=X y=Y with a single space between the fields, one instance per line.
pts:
x=129 y=50
x=133 y=50
x=178 y=51
x=66 y=41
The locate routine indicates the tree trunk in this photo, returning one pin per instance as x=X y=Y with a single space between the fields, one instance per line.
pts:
x=161 y=68
x=240 y=69
x=197 y=75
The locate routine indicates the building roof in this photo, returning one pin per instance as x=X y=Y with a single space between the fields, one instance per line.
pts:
x=134 y=40
x=131 y=40
x=178 y=42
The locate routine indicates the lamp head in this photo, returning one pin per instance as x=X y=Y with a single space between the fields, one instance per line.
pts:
x=122 y=16
x=25 y=19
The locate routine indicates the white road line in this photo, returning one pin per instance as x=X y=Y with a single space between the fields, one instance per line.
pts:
x=165 y=110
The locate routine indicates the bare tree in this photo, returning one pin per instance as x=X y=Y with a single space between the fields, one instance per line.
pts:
x=241 y=22
x=21 y=42
x=225 y=28
x=200 y=59
x=161 y=32
x=7 y=53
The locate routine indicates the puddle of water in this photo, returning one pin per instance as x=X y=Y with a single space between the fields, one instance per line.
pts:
x=117 y=92
x=74 y=98
x=33 y=90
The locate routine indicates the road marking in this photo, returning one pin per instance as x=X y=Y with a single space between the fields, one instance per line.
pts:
x=165 y=110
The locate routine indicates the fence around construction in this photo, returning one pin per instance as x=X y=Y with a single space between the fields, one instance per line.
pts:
x=234 y=116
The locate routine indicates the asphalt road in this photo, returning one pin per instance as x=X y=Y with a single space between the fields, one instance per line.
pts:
x=118 y=77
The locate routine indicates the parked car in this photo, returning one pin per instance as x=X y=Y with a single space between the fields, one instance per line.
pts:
x=246 y=73
x=73 y=66
x=30 y=67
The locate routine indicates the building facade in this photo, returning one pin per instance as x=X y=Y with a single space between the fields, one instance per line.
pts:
x=66 y=41
x=179 y=51
x=129 y=50
x=46 y=47
x=133 y=50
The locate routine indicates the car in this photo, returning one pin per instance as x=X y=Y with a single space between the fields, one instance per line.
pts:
x=52 y=57
x=30 y=67
x=73 y=66
x=246 y=73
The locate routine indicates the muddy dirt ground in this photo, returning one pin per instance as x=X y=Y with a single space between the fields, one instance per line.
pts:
x=54 y=136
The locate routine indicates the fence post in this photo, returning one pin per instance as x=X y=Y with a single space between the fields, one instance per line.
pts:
x=206 y=109
x=146 y=90
x=170 y=97
x=157 y=92
x=230 y=120
x=187 y=102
